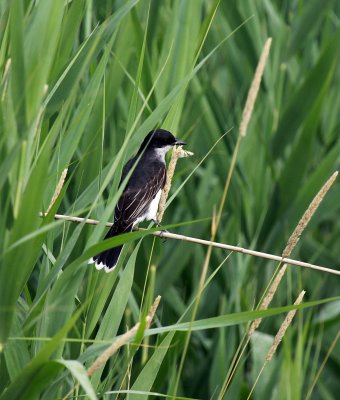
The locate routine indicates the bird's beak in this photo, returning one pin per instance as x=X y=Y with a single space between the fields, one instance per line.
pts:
x=179 y=143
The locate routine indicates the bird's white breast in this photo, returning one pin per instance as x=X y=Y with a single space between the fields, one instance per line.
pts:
x=151 y=212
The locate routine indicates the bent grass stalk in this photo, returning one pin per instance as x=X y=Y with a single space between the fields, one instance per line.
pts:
x=224 y=246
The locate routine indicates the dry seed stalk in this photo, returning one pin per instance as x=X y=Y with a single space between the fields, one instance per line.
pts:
x=58 y=188
x=283 y=328
x=277 y=340
x=177 y=153
x=268 y=298
x=295 y=236
x=122 y=340
x=293 y=240
x=152 y=311
x=246 y=115
x=116 y=345
x=254 y=88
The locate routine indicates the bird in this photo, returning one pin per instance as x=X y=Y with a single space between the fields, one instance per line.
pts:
x=140 y=198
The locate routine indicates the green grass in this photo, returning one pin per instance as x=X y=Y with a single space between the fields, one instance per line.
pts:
x=81 y=84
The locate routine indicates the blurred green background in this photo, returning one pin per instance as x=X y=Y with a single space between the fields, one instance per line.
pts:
x=82 y=82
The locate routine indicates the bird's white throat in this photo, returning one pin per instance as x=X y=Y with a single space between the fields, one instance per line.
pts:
x=161 y=151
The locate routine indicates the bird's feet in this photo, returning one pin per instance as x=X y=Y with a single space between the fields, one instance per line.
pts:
x=156 y=222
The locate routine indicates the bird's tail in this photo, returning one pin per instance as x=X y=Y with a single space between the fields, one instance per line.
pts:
x=109 y=258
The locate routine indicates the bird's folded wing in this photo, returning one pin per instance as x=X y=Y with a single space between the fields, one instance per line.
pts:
x=134 y=202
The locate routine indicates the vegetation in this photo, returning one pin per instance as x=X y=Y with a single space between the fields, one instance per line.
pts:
x=82 y=82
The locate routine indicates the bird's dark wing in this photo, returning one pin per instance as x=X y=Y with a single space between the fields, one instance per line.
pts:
x=136 y=199
x=126 y=169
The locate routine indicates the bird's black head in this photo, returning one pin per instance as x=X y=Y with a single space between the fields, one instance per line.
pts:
x=160 y=138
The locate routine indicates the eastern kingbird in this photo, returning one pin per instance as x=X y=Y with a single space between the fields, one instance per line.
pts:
x=140 y=198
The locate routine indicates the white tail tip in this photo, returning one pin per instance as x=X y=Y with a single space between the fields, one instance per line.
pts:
x=101 y=266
